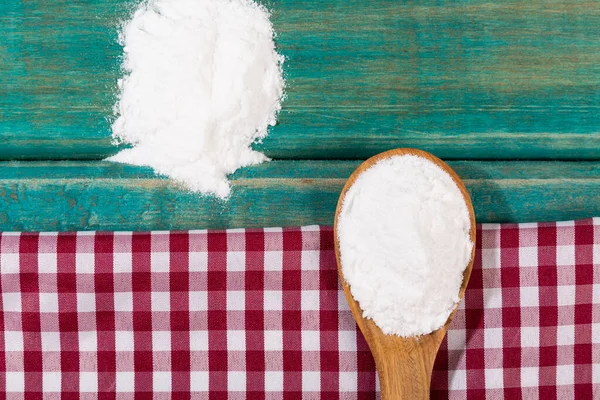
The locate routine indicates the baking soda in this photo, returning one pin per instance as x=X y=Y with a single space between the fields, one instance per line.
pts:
x=404 y=237
x=203 y=82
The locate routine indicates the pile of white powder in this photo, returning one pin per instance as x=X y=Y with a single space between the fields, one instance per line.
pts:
x=404 y=242
x=203 y=82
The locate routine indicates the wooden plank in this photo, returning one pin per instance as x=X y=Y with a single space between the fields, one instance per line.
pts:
x=464 y=79
x=50 y=196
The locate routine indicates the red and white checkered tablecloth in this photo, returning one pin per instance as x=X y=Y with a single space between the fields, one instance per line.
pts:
x=259 y=314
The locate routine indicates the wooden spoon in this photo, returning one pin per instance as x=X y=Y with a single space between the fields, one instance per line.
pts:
x=404 y=365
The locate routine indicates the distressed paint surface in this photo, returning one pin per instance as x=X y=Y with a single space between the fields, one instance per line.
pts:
x=465 y=80
x=468 y=79
x=43 y=196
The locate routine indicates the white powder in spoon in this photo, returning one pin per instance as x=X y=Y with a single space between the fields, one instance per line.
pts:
x=404 y=242
x=203 y=82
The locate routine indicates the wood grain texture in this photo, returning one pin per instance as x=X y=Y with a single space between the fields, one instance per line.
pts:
x=463 y=79
x=404 y=364
x=42 y=196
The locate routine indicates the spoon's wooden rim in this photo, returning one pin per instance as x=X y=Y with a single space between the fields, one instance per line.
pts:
x=368 y=164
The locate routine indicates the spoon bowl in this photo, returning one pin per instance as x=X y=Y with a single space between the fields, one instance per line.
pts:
x=404 y=364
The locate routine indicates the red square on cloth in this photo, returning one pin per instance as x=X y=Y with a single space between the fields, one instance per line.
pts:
x=259 y=314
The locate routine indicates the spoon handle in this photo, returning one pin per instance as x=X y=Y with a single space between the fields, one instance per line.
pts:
x=404 y=365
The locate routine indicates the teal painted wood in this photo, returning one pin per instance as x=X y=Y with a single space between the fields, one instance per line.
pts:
x=464 y=79
x=48 y=196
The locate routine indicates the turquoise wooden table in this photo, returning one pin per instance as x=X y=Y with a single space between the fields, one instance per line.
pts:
x=508 y=92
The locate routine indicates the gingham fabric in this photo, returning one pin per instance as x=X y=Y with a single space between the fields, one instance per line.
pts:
x=259 y=314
